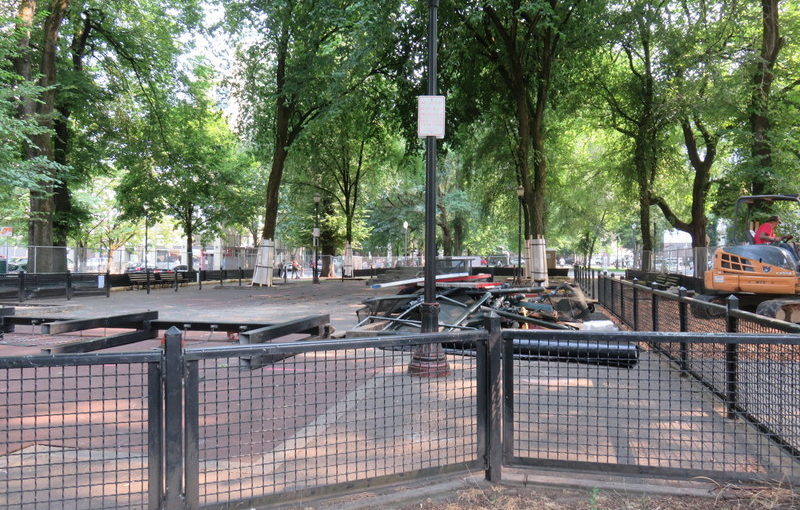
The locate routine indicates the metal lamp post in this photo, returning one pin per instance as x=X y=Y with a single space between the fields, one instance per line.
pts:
x=429 y=360
x=520 y=194
x=315 y=269
x=146 y=270
x=405 y=243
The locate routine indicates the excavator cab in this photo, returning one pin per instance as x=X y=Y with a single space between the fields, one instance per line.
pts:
x=764 y=276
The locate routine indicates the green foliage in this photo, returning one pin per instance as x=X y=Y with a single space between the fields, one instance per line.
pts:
x=15 y=132
x=342 y=77
x=186 y=165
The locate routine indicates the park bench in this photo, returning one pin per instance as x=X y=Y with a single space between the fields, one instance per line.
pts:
x=664 y=281
x=86 y=284
x=170 y=279
x=139 y=280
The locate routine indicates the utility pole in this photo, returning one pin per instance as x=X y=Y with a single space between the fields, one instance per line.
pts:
x=429 y=359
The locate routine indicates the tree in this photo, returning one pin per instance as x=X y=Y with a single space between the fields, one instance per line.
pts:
x=312 y=55
x=521 y=43
x=192 y=173
x=110 y=42
x=40 y=108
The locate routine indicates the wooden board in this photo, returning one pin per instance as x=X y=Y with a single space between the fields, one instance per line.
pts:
x=412 y=281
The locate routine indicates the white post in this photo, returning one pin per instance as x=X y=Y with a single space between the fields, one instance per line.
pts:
x=262 y=275
x=347 y=264
x=538 y=250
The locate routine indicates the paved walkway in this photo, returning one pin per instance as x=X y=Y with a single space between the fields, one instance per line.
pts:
x=214 y=302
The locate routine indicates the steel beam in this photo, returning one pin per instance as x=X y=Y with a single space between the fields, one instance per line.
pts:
x=106 y=342
x=228 y=327
x=114 y=321
x=309 y=325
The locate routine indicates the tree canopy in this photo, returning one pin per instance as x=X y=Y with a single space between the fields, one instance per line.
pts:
x=611 y=116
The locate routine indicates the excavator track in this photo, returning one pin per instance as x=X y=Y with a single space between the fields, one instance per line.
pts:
x=782 y=309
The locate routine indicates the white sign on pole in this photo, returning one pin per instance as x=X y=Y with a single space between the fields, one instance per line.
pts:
x=430 y=116
x=6 y=231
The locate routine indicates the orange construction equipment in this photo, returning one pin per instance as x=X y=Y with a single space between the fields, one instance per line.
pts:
x=764 y=276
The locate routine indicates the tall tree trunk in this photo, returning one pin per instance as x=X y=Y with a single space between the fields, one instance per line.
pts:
x=63 y=198
x=42 y=202
x=327 y=242
x=643 y=181
x=189 y=251
x=22 y=63
x=763 y=76
x=447 y=235
x=535 y=202
x=458 y=235
x=522 y=110
x=282 y=116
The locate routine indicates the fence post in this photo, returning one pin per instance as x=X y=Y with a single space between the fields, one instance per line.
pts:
x=599 y=290
x=200 y=277
x=494 y=395
x=68 y=286
x=611 y=300
x=21 y=286
x=508 y=400
x=635 y=305
x=683 y=320
x=221 y=277
x=192 y=437
x=155 y=429
x=732 y=357
x=173 y=418
x=175 y=279
x=654 y=305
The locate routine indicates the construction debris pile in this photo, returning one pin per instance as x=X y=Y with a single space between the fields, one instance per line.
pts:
x=464 y=301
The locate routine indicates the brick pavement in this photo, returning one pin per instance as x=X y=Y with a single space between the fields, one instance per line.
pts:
x=229 y=302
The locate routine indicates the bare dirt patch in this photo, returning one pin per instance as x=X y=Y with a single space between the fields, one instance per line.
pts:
x=499 y=497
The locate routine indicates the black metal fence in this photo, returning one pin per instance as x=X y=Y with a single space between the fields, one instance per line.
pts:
x=23 y=286
x=750 y=377
x=659 y=417
x=202 y=428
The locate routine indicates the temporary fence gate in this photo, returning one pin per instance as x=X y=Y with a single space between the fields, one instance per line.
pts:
x=201 y=428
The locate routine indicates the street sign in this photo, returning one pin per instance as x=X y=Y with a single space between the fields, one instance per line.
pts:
x=430 y=116
x=6 y=231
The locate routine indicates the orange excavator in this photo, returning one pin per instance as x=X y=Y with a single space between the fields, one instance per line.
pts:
x=765 y=277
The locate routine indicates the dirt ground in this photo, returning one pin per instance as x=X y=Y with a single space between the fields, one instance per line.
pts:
x=517 y=498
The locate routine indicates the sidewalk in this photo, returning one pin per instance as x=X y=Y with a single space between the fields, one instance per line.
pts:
x=229 y=302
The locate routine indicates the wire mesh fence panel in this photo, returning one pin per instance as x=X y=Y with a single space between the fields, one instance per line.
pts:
x=74 y=437
x=669 y=314
x=644 y=308
x=611 y=298
x=651 y=417
x=706 y=318
x=323 y=418
x=768 y=389
x=709 y=362
x=626 y=292
x=754 y=325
